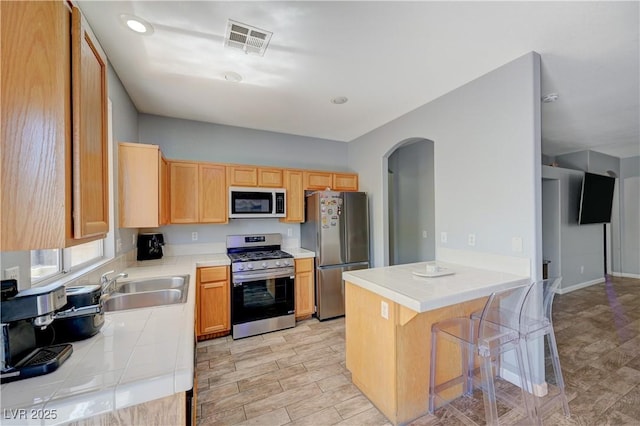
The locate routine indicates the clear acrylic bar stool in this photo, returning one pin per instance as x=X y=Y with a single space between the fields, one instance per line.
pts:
x=482 y=342
x=536 y=335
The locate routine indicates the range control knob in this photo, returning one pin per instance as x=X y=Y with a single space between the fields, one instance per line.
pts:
x=287 y=262
x=277 y=263
x=240 y=267
x=264 y=265
x=250 y=266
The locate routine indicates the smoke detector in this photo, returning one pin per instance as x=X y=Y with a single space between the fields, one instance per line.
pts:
x=246 y=38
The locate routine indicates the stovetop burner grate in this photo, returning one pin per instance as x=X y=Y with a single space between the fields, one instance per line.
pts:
x=253 y=256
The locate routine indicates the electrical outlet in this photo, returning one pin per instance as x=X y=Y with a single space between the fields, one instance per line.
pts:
x=516 y=244
x=424 y=234
x=289 y=232
x=118 y=245
x=582 y=269
x=471 y=240
x=384 y=309
x=12 y=273
x=443 y=237
x=194 y=236
x=133 y=239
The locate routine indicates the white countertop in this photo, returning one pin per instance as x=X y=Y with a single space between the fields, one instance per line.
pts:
x=299 y=253
x=139 y=355
x=399 y=284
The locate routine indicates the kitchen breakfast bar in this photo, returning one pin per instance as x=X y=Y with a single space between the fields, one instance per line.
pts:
x=388 y=316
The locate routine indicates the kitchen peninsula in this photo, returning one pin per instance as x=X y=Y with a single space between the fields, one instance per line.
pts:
x=389 y=313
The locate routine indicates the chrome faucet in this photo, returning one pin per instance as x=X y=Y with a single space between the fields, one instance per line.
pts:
x=107 y=282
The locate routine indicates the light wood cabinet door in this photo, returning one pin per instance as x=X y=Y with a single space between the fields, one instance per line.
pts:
x=242 y=175
x=213 y=300
x=184 y=192
x=269 y=177
x=165 y=193
x=314 y=180
x=293 y=183
x=52 y=196
x=36 y=125
x=304 y=288
x=345 y=182
x=90 y=156
x=139 y=178
x=213 y=193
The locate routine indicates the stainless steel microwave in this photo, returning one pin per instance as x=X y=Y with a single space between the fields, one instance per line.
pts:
x=256 y=202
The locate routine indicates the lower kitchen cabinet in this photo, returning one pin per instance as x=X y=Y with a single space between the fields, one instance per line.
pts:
x=304 y=284
x=213 y=300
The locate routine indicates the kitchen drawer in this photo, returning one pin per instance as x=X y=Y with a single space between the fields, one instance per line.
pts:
x=215 y=273
x=304 y=265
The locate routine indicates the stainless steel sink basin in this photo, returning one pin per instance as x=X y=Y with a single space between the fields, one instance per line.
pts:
x=148 y=292
x=122 y=301
x=149 y=284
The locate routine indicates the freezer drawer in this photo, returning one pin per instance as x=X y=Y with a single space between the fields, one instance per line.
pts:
x=330 y=289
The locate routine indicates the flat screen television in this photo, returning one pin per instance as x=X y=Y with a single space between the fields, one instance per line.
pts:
x=596 y=199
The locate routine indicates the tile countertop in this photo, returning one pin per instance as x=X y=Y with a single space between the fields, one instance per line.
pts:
x=399 y=284
x=139 y=355
x=299 y=253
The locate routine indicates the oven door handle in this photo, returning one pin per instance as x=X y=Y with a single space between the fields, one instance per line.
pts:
x=243 y=278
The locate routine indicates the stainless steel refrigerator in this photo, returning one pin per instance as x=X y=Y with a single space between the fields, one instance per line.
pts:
x=336 y=228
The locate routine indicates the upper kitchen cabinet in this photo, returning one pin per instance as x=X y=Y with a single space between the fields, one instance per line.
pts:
x=294 y=184
x=90 y=156
x=142 y=186
x=184 y=192
x=267 y=177
x=198 y=192
x=54 y=125
x=319 y=180
x=345 y=182
x=213 y=193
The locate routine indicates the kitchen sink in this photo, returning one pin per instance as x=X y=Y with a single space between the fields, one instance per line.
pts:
x=178 y=282
x=122 y=301
x=149 y=292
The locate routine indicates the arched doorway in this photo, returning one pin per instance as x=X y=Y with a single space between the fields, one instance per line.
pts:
x=410 y=202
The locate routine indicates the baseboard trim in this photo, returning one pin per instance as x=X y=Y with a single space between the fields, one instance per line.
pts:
x=625 y=275
x=565 y=290
x=539 y=389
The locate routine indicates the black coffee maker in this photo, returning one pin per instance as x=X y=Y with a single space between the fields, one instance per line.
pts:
x=150 y=246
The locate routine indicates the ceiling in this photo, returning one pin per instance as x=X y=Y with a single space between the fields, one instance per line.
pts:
x=387 y=58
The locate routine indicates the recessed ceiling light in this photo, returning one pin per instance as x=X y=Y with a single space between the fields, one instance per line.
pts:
x=551 y=97
x=233 y=77
x=137 y=25
x=339 y=100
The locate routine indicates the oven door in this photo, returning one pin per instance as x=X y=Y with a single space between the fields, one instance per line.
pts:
x=255 y=297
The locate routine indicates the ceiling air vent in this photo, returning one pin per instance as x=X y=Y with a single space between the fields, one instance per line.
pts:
x=246 y=38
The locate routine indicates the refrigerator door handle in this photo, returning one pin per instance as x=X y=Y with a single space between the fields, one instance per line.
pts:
x=342 y=219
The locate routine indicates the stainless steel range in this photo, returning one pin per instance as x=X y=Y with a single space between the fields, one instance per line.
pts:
x=262 y=279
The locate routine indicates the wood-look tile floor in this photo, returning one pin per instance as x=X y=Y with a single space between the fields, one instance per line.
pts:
x=298 y=376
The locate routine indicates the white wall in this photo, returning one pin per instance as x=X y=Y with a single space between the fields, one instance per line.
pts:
x=630 y=216
x=197 y=141
x=487 y=162
x=580 y=261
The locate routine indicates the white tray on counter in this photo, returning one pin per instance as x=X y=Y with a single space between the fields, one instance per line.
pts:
x=442 y=272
